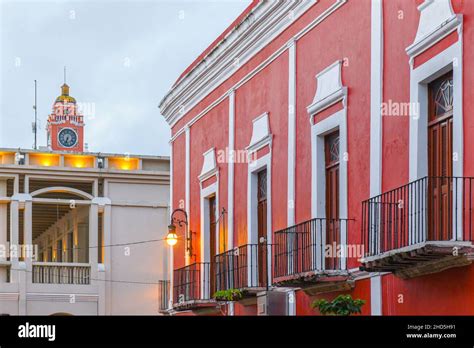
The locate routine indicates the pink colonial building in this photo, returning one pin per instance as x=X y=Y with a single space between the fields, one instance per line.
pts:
x=321 y=147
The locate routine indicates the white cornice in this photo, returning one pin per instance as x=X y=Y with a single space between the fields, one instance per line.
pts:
x=263 y=24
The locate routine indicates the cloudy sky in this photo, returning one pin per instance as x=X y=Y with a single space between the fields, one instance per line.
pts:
x=121 y=58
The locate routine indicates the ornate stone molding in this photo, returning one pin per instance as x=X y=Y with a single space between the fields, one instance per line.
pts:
x=437 y=20
x=209 y=165
x=329 y=88
x=261 y=135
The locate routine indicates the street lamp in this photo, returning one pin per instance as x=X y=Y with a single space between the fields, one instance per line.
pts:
x=172 y=237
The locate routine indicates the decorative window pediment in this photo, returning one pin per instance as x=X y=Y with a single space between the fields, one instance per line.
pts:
x=209 y=166
x=261 y=135
x=329 y=88
x=437 y=20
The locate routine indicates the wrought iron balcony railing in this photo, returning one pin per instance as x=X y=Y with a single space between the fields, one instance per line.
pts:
x=428 y=209
x=310 y=246
x=243 y=267
x=192 y=283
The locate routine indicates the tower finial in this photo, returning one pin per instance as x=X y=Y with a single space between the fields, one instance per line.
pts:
x=64 y=74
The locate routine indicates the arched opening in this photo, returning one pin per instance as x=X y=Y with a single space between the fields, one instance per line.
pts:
x=61 y=231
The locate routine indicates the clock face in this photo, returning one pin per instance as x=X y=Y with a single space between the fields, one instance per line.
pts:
x=67 y=137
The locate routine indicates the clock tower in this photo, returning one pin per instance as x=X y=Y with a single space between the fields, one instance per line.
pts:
x=65 y=125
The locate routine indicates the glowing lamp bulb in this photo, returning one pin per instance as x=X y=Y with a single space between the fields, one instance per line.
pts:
x=172 y=237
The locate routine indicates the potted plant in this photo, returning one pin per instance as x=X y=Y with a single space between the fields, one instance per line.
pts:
x=342 y=305
x=228 y=295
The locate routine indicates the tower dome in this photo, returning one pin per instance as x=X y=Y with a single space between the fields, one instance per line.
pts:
x=65 y=95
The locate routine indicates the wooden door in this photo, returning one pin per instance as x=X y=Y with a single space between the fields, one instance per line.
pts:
x=262 y=228
x=211 y=277
x=332 y=196
x=440 y=162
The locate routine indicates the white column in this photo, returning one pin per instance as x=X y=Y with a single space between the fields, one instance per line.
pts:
x=3 y=228
x=93 y=240
x=102 y=289
x=230 y=183
x=14 y=237
x=291 y=131
x=75 y=237
x=28 y=236
x=107 y=255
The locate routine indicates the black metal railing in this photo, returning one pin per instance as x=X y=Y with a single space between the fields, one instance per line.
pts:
x=192 y=283
x=164 y=294
x=243 y=267
x=428 y=209
x=310 y=246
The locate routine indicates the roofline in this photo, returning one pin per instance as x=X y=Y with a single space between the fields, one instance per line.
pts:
x=208 y=51
x=264 y=22
x=211 y=49
x=95 y=154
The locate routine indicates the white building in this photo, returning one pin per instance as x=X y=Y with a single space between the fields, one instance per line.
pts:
x=82 y=233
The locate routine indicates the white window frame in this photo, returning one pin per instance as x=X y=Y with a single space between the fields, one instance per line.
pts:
x=254 y=168
x=448 y=60
x=206 y=193
x=335 y=122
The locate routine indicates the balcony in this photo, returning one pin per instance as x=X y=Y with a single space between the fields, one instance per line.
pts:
x=61 y=273
x=420 y=228
x=244 y=268
x=312 y=255
x=193 y=288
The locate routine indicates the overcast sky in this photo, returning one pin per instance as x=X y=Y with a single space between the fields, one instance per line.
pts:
x=121 y=58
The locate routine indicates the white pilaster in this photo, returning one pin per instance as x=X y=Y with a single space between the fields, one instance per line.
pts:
x=376 y=93
x=291 y=131
x=188 y=180
x=376 y=295
x=231 y=159
x=171 y=254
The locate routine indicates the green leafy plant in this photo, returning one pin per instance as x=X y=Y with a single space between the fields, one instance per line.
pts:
x=342 y=305
x=228 y=295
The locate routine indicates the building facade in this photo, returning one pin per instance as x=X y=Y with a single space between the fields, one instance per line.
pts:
x=82 y=233
x=321 y=148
